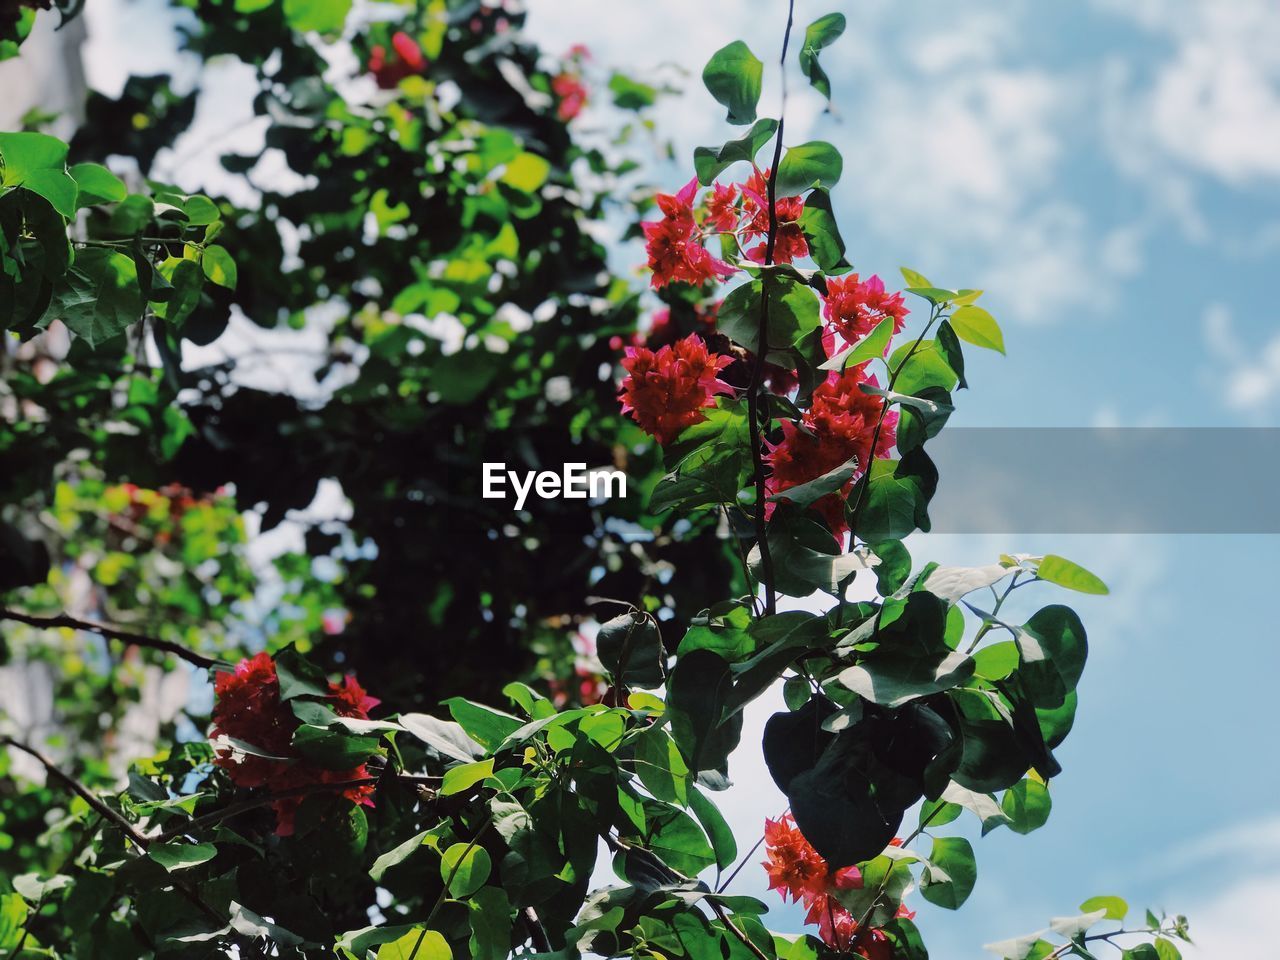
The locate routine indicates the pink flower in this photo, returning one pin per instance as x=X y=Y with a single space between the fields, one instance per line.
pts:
x=676 y=254
x=855 y=307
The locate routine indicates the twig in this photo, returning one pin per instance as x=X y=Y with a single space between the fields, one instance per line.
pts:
x=110 y=633
x=762 y=339
x=537 y=932
x=81 y=791
x=733 y=928
x=255 y=803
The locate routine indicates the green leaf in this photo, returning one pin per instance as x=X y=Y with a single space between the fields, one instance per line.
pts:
x=630 y=648
x=181 y=856
x=733 y=76
x=870 y=347
x=396 y=855
x=981 y=805
x=323 y=16
x=487 y=726
x=35 y=890
x=897 y=497
x=677 y=839
x=97 y=184
x=660 y=766
x=631 y=94
x=821 y=33
x=333 y=748
x=219 y=266
x=526 y=172
x=1072 y=927
x=818 y=221
x=1027 y=805
x=465 y=776
x=918 y=369
x=934 y=295
x=710 y=162
x=444 y=736
x=98 y=296
x=464 y=869
x=417 y=944
x=808 y=493
x=37 y=162
x=997 y=661
x=298 y=676
x=1053 y=647
x=186 y=281
x=723 y=842
x=975 y=325
x=132 y=215
x=951 y=873
x=1071 y=575
x=1114 y=908
x=490 y=916
x=808 y=165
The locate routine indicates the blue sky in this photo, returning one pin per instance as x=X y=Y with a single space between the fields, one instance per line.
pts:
x=1109 y=172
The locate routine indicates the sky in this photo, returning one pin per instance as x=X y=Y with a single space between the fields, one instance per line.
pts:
x=1109 y=172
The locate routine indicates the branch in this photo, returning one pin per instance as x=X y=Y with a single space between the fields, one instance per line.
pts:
x=255 y=803
x=746 y=941
x=84 y=793
x=762 y=338
x=111 y=633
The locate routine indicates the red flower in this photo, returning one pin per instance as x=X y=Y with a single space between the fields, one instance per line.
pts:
x=407 y=61
x=794 y=867
x=797 y=870
x=248 y=708
x=722 y=209
x=839 y=424
x=789 y=241
x=571 y=93
x=665 y=391
x=353 y=699
x=675 y=251
x=663 y=330
x=854 y=307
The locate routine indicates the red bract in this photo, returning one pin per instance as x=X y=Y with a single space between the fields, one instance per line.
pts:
x=797 y=870
x=248 y=708
x=839 y=424
x=722 y=208
x=676 y=254
x=665 y=391
x=406 y=61
x=571 y=93
x=789 y=241
x=854 y=307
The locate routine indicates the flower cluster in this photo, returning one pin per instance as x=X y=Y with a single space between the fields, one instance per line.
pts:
x=249 y=710
x=404 y=60
x=843 y=421
x=797 y=870
x=674 y=243
x=855 y=307
x=789 y=242
x=666 y=390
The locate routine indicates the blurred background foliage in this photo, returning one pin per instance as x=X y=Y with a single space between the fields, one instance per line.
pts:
x=436 y=244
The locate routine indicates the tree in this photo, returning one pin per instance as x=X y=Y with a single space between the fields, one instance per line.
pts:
x=439 y=231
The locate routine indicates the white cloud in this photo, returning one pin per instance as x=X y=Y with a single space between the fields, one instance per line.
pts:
x=1246 y=376
x=1213 y=105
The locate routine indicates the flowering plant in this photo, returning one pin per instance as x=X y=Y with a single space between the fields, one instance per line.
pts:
x=790 y=420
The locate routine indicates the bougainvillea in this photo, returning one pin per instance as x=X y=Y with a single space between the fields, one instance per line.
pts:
x=253 y=731
x=675 y=246
x=785 y=411
x=666 y=391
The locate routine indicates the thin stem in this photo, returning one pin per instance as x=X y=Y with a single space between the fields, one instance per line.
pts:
x=81 y=791
x=762 y=338
x=742 y=556
x=110 y=633
x=733 y=928
x=741 y=863
x=245 y=806
x=444 y=891
x=861 y=926
x=1094 y=937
